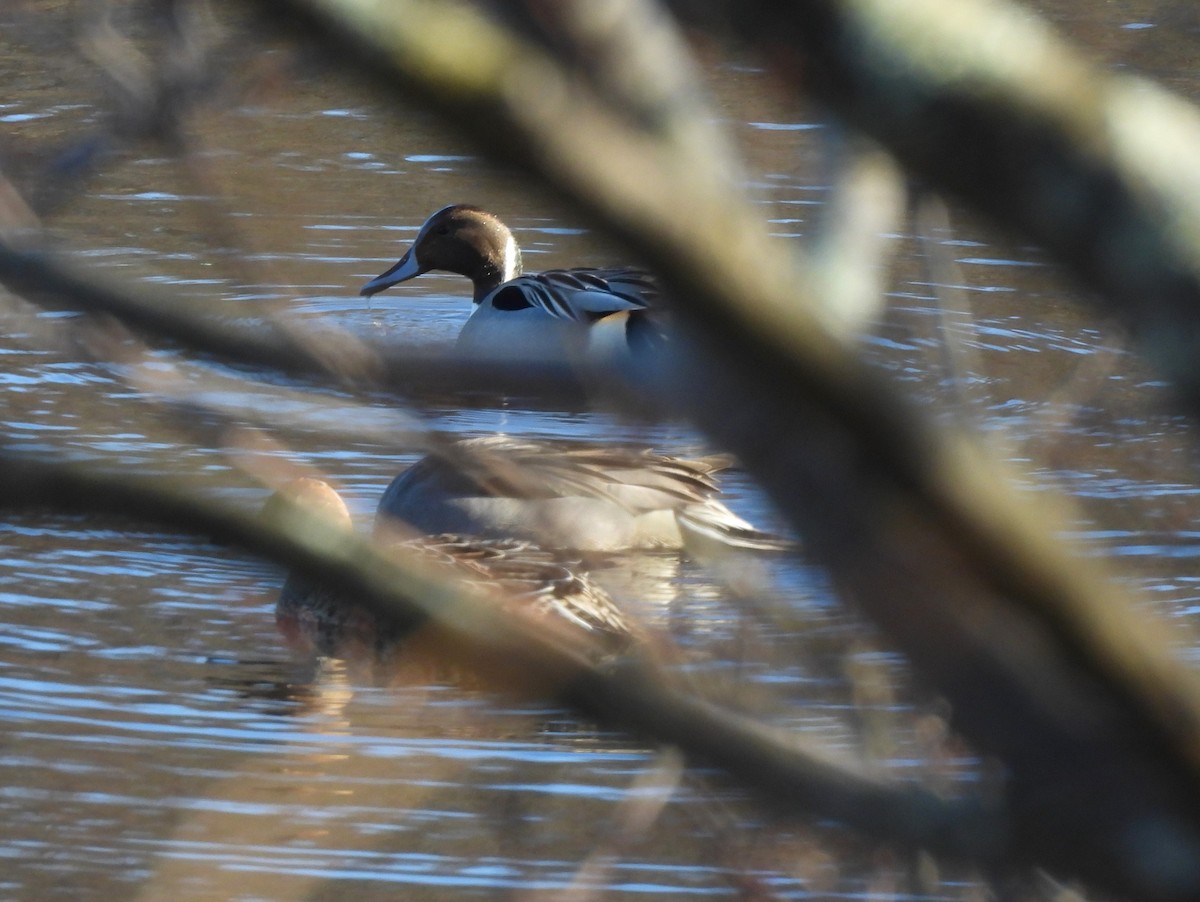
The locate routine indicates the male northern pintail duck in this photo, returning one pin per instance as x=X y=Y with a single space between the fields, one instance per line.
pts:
x=526 y=578
x=575 y=496
x=589 y=313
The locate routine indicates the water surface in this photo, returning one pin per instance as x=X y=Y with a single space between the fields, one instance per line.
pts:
x=159 y=740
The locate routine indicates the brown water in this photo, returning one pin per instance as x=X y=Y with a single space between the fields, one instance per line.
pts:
x=156 y=740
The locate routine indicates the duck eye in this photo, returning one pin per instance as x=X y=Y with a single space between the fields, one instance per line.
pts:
x=442 y=228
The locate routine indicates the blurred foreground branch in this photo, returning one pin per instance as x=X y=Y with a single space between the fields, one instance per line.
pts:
x=631 y=692
x=984 y=102
x=1044 y=658
x=324 y=355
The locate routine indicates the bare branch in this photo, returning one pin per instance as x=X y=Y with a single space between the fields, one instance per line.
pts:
x=967 y=577
x=632 y=692
x=988 y=105
x=325 y=354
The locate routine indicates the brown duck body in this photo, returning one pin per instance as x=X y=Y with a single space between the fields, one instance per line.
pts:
x=521 y=578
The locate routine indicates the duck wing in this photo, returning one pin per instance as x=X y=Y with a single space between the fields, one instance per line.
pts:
x=578 y=295
x=534 y=580
x=637 y=479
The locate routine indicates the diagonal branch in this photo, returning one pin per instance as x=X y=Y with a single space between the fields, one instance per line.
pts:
x=633 y=692
x=924 y=531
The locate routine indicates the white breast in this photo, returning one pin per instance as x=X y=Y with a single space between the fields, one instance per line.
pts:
x=527 y=333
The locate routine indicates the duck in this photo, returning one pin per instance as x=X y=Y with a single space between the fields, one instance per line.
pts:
x=572 y=314
x=528 y=580
x=575 y=496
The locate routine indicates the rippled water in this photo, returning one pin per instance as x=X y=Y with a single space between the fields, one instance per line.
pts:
x=157 y=739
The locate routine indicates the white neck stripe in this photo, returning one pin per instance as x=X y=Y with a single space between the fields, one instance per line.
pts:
x=512 y=258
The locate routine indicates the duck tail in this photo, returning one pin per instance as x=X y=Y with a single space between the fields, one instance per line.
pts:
x=710 y=526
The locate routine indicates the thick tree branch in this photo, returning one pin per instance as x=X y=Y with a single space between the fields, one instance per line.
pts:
x=633 y=693
x=1045 y=660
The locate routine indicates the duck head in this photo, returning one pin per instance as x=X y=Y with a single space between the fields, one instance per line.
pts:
x=460 y=239
x=312 y=496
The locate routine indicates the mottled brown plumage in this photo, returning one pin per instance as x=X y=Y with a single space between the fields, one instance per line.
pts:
x=521 y=578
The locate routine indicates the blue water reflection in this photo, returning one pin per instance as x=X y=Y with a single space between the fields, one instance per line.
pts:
x=157 y=736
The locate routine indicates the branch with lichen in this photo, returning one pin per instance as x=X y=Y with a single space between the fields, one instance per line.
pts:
x=924 y=531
